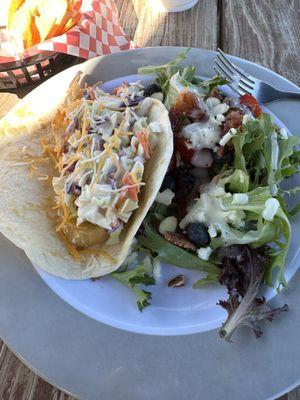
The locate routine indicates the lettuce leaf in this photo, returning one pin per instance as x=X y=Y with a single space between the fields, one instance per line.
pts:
x=275 y=233
x=166 y=71
x=242 y=273
x=174 y=78
x=132 y=279
x=264 y=154
x=172 y=254
x=236 y=181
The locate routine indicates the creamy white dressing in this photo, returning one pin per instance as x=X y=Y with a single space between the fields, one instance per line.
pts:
x=240 y=198
x=100 y=159
x=202 y=135
x=209 y=210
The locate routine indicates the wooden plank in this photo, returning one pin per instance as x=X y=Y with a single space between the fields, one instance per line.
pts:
x=148 y=26
x=266 y=32
x=294 y=394
x=17 y=382
x=8 y=100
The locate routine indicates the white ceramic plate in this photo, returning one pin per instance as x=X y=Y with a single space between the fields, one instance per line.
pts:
x=94 y=361
x=173 y=311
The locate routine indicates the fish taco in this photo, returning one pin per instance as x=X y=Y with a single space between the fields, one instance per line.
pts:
x=78 y=183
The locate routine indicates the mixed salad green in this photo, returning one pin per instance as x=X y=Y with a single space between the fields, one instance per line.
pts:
x=221 y=209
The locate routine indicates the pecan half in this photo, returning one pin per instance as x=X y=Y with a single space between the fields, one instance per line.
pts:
x=233 y=119
x=179 y=240
x=177 y=281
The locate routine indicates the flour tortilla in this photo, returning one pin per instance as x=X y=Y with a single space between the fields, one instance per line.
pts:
x=26 y=217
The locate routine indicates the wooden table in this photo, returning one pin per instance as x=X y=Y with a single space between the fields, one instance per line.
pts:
x=264 y=31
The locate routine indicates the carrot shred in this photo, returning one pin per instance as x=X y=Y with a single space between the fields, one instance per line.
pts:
x=128 y=180
x=142 y=137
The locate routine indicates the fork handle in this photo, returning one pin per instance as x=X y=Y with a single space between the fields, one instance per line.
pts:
x=285 y=95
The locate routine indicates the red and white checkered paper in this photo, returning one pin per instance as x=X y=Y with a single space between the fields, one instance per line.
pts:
x=98 y=32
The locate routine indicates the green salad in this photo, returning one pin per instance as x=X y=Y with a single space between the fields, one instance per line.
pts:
x=221 y=209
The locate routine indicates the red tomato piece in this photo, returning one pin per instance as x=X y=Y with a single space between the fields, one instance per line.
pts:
x=185 y=153
x=249 y=101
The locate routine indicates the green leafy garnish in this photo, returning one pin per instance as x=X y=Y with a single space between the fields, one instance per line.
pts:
x=210 y=278
x=264 y=154
x=178 y=83
x=166 y=71
x=134 y=277
x=275 y=230
x=237 y=181
x=172 y=254
x=174 y=78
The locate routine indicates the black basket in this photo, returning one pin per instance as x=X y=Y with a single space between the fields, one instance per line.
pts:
x=33 y=70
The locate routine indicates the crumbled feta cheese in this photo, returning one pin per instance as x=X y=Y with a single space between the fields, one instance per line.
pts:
x=204 y=253
x=221 y=108
x=212 y=101
x=283 y=133
x=168 y=224
x=165 y=197
x=271 y=207
x=220 y=118
x=212 y=231
x=246 y=119
x=240 y=198
x=228 y=136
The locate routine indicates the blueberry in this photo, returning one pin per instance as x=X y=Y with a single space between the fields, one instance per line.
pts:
x=168 y=183
x=198 y=234
x=152 y=88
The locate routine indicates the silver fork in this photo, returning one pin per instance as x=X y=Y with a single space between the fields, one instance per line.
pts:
x=242 y=83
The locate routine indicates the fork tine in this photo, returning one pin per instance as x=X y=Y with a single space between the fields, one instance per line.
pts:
x=234 y=77
x=222 y=71
x=234 y=88
x=243 y=90
x=245 y=87
x=239 y=90
x=232 y=71
x=223 y=57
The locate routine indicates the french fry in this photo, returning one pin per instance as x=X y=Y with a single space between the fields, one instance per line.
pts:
x=67 y=21
x=33 y=21
x=14 y=6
